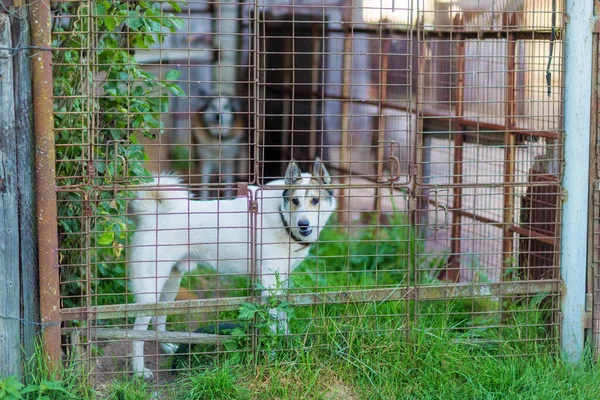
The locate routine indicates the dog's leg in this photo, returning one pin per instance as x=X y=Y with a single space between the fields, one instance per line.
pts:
x=205 y=172
x=168 y=293
x=228 y=169
x=147 y=290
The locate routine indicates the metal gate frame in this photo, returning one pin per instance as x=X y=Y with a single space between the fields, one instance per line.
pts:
x=573 y=250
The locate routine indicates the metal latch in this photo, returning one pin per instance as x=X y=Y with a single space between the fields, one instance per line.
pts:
x=439 y=207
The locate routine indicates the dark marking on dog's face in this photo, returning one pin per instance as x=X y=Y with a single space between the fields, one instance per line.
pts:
x=218 y=115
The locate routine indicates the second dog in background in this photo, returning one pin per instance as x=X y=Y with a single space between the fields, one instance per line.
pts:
x=217 y=135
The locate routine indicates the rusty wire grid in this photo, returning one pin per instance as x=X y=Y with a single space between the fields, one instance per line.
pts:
x=440 y=123
x=594 y=215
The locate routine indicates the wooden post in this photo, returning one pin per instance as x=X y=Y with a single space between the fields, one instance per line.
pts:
x=10 y=284
x=26 y=181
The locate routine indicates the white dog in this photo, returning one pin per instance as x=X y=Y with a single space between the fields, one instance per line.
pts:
x=175 y=231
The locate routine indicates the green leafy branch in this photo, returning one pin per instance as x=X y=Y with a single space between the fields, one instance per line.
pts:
x=104 y=99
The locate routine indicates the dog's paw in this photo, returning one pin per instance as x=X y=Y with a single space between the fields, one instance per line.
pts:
x=144 y=373
x=169 y=348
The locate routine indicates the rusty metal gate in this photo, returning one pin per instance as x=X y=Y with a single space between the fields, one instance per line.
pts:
x=440 y=123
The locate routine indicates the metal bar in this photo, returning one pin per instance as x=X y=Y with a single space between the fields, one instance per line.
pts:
x=286 y=123
x=452 y=271
x=440 y=32
x=425 y=292
x=384 y=51
x=593 y=284
x=43 y=124
x=315 y=84
x=224 y=41
x=554 y=241
x=577 y=109
x=344 y=212
x=475 y=123
x=593 y=244
x=509 y=154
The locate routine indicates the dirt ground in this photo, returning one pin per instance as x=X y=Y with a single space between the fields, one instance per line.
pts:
x=114 y=362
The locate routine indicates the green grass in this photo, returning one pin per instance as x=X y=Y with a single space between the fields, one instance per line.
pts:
x=358 y=353
x=460 y=349
x=379 y=357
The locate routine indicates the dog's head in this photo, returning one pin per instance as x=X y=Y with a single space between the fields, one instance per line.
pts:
x=308 y=202
x=218 y=114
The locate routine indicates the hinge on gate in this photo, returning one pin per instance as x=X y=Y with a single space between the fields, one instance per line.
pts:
x=589 y=306
x=87 y=206
x=242 y=189
x=413 y=169
x=253 y=206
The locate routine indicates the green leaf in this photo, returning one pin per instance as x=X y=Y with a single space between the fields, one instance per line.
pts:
x=247 y=311
x=100 y=9
x=172 y=75
x=178 y=22
x=134 y=23
x=110 y=23
x=153 y=26
x=29 y=389
x=106 y=238
x=175 y=6
x=175 y=89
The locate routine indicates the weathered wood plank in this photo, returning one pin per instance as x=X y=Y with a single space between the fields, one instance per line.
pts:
x=400 y=293
x=30 y=291
x=171 y=337
x=10 y=308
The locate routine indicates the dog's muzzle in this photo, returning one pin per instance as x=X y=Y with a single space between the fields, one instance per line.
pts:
x=304 y=227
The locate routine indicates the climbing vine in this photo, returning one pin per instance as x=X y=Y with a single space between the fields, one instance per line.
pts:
x=104 y=100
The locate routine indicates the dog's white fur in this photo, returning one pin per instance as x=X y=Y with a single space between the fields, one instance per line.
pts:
x=217 y=135
x=174 y=232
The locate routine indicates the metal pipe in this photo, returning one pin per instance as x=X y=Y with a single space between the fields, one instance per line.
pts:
x=346 y=142
x=43 y=124
x=452 y=271
x=509 y=154
x=577 y=118
x=314 y=77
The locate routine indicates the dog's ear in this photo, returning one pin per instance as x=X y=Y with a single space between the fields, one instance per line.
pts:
x=292 y=174
x=320 y=172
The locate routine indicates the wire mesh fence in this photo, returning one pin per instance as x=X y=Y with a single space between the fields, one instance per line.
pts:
x=434 y=126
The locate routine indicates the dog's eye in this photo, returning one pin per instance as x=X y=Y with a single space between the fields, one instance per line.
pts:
x=315 y=200
x=295 y=201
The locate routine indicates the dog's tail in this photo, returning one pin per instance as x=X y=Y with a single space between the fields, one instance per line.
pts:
x=160 y=194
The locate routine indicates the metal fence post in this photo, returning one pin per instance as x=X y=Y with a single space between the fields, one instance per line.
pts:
x=577 y=101
x=43 y=124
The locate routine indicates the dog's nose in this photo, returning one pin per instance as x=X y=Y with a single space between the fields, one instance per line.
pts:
x=304 y=227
